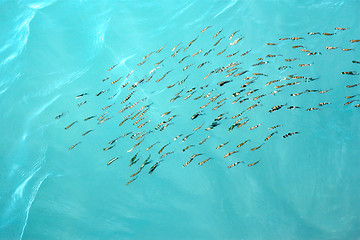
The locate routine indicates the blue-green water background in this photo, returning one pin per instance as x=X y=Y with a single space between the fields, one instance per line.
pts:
x=50 y=51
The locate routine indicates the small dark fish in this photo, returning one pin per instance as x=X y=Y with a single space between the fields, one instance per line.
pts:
x=59 y=116
x=222 y=83
x=101 y=92
x=289 y=134
x=154 y=166
x=81 y=95
x=276 y=108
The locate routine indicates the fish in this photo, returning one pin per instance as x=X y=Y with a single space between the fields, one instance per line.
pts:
x=133 y=159
x=256 y=126
x=354 y=85
x=201 y=163
x=163 y=76
x=108 y=148
x=277 y=107
x=256 y=148
x=137 y=144
x=160 y=49
x=270 y=44
x=347 y=49
x=154 y=166
x=165 y=154
x=355 y=62
x=230 y=153
x=330 y=48
x=196 y=53
x=148 y=55
x=205 y=54
x=208 y=75
x=351 y=96
x=131 y=181
x=242 y=144
x=276 y=126
x=186 y=148
x=173 y=49
x=313 y=108
x=233 y=54
x=328 y=34
x=314 y=33
x=221 y=52
x=217 y=33
x=342 y=29
x=205 y=29
x=252 y=164
x=67 y=127
x=323 y=103
x=106 y=107
x=290 y=134
x=202 y=64
x=105 y=79
x=222 y=83
x=59 y=116
x=143 y=124
x=232 y=35
x=166 y=113
x=159 y=62
x=204 y=140
x=175 y=53
x=115 y=81
x=350 y=73
x=355 y=40
x=87 y=132
x=81 y=95
x=197 y=128
x=292 y=107
x=112 y=160
x=186 y=67
x=221 y=145
x=74 y=145
x=187 y=136
x=162 y=149
x=236 y=41
x=197 y=114
x=184 y=58
x=234 y=164
x=147 y=149
x=253 y=106
x=347 y=103
x=268 y=137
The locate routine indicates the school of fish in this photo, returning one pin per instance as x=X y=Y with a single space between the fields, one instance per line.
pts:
x=210 y=76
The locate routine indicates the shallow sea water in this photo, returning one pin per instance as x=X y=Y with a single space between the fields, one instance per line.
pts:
x=304 y=187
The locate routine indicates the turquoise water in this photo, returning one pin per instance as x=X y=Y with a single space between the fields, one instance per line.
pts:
x=304 y=187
